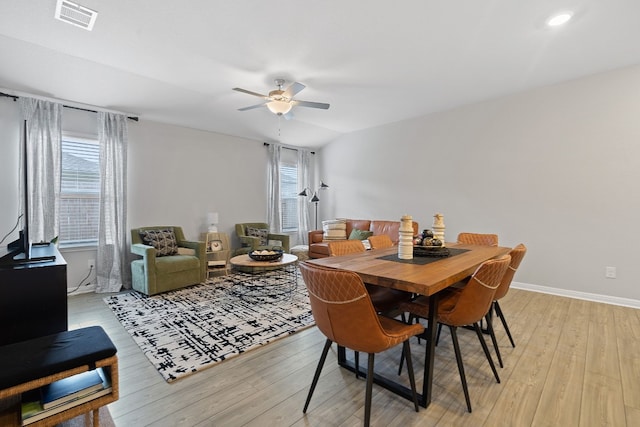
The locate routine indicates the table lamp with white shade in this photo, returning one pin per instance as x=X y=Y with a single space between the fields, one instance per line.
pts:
x=212 y=220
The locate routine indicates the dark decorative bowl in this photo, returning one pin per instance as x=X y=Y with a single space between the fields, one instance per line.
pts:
x=430 y=251
x=271 y=257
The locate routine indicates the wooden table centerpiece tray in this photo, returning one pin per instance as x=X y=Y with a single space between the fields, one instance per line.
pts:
x=430 y=251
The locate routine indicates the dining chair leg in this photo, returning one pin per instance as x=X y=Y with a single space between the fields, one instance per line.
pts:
x=476 y=326
x=316 y=376
x=402 y=357
x=412 y=317
x=463 y=378
x=493 y=339
x=504 y=322
x=367 y=399
x=356 y=356
x=406 y=351
x=438 y=334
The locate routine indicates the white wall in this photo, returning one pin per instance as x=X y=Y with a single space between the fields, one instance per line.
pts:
x=556 y=168
x=176 y=175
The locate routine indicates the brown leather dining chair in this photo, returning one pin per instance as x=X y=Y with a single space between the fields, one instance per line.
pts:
x=466 y=306
x=517 y=254
x=384 y=299
x=343 y=312
x=345 y=247
x=478 y=239
x=380 y=241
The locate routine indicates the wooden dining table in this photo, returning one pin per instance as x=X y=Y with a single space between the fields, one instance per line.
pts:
x=420 y=275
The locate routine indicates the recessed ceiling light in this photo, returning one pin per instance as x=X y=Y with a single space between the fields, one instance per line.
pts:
x=559 y=19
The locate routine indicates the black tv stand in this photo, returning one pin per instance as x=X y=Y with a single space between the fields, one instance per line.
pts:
x=33 y=297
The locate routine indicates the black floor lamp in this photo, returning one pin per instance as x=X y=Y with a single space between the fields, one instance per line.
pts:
x=315 y=199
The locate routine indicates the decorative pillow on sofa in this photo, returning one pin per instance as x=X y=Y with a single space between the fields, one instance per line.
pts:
x=163 y=240
x=334 y=229
x=261 y=233
x=360 y=234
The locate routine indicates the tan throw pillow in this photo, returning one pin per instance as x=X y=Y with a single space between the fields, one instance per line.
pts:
x=261 y=233
x=163 y=240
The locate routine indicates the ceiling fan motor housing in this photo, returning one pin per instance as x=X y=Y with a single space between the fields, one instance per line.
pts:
x=276 y=95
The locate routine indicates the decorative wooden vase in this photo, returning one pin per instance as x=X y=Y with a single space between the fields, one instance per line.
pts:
x=438 y=227
x=405 y=242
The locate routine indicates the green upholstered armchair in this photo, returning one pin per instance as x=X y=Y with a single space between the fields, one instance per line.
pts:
x=155 y=274
x=251 y=243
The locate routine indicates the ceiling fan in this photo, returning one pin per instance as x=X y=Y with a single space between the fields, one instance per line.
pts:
x=280 y=101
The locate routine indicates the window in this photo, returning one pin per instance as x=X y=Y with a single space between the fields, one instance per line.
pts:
x=289 y=190
x=79 y=191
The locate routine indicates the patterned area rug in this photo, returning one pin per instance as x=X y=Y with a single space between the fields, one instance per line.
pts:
x=188 y=330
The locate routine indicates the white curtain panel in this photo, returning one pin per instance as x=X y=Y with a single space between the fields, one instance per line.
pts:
x=44 y=135
x=304 y=218
x=112 y=268
x=274 y=217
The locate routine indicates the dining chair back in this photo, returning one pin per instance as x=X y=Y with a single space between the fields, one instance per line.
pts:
x=345 y=247
x=478 y=239
x=343 y=312
x=380 y=241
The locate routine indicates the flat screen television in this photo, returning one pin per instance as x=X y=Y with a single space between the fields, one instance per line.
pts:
x=20 y=250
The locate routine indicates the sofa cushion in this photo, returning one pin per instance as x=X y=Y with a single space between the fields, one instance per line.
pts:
x=360 y=234
x=261 y=233
x=164 y=241
x=319 y=250
x=177 y=263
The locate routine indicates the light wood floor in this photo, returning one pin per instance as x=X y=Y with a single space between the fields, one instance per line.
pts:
x=576 y=363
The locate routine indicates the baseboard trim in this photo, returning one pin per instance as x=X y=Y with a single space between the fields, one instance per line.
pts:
x=606 y=299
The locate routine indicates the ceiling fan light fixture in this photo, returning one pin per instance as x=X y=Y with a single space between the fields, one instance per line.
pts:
x=279 y=107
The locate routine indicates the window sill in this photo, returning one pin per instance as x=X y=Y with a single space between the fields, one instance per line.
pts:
x=78 y=247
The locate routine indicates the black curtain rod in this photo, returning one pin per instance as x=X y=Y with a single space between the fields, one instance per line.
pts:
x=266 y=144
x=15 y=98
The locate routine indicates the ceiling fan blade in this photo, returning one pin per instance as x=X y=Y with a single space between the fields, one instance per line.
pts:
x=293 y=89
x=249 y=92
x=251 y=107
x=312 y=104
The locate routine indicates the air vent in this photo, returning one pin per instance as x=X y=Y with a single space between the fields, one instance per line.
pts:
x=74 y=14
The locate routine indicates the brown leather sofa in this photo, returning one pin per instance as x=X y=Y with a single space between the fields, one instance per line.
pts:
x=320 y=249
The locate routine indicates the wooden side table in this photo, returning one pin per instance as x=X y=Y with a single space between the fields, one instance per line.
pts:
x=218 y=252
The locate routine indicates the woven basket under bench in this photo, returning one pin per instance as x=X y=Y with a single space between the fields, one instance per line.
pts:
x=31 y=364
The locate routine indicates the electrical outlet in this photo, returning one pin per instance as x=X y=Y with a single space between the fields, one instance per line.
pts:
x=91 y=263
x=610 y=272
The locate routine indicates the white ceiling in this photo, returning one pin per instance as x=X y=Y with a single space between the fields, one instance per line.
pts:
x=374 y=61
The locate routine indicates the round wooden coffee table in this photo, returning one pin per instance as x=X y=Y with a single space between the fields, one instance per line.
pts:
x=263 y=280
